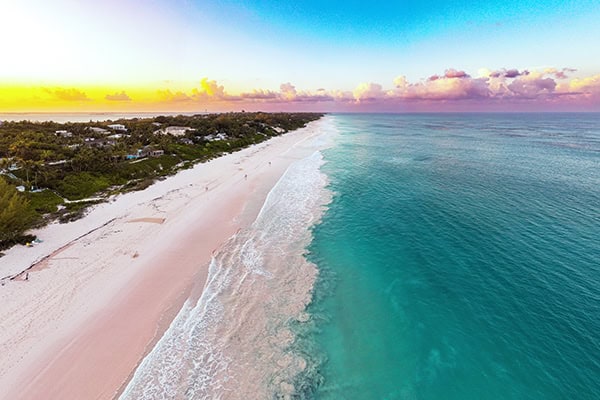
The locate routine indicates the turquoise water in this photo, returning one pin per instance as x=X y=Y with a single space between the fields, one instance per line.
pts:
x=459 y=259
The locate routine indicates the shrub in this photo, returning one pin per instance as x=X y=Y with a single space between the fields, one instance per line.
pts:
x=15 y=214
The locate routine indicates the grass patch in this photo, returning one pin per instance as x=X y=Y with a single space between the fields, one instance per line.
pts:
x=82 y=185
x=44 y=202
x=147 y=168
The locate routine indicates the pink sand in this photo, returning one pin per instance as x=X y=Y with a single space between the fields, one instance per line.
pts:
x=86 y=317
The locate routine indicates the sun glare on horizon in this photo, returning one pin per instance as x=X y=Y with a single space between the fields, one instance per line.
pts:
x=339 y=56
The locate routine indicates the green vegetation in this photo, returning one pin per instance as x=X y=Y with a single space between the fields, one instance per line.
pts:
x=44 y=202
x=15 y=214
x=80 y=185
x=56 y=163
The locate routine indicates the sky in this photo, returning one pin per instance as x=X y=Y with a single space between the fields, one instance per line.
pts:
x=327 y=55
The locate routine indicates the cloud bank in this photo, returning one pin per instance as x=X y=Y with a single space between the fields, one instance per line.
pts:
x=549 y=87
x=122 y=96
x=505 y=89
x=68 y=94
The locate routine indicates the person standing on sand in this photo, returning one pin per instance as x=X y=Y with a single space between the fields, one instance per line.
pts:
x=27 y=276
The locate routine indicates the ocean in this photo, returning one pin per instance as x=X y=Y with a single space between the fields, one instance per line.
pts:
x=459 y=259
x=421 y=256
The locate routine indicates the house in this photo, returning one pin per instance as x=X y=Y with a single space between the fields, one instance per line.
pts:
x=92 y=142
x=95 y=129
x=117 y=127
x=54 y=163
x=146 y=151
x=187 y=141
x=116 y=136
x=149 y=151
x=174 y=130
x=63 y=133
x=133 y=156
x=216 y=137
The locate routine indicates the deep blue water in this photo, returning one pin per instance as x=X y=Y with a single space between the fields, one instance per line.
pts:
x=459 y=259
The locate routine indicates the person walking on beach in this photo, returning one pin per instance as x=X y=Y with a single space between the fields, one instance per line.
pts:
x=245 y=176
x=27 y=276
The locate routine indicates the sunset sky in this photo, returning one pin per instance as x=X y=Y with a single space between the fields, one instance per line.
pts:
x=192 y=55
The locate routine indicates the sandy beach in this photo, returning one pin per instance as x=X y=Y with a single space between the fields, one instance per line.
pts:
x=102 y=290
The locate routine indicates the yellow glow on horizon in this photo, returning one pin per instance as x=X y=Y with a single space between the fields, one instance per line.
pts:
x=64 y=98
x=60 y=96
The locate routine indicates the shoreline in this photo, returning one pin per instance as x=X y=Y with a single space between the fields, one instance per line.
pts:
x=233 y=342
x=100 y=303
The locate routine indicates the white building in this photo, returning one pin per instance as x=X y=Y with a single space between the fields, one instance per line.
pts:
x=98 y=130
x=117 y=127
x=174 y=130
x=216 y=138
x=64 y=133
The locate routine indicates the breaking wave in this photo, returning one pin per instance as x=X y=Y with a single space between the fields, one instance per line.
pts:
x=236 y=341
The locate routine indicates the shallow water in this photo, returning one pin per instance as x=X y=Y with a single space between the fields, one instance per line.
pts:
x=459 y=259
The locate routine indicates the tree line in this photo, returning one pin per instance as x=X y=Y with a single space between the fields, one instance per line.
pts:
x=50 y=161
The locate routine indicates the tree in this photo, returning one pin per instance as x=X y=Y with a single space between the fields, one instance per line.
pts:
x=4 y=163
x=15 y=214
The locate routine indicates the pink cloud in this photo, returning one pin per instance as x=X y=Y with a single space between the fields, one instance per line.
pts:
x=453 y=85
x=510 y=73
x=532 y=85
x=288 y=91
x=260 y=94
x=559 y=74
x=454 y=90
x=320 y=96
x=452 y=73
x=287 y=94
x=368 y=92
x=587 y=89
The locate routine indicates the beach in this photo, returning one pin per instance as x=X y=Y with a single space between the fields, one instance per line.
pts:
x=80 y=310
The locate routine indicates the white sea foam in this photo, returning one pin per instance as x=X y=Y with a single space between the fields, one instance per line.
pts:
x=231 y=344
